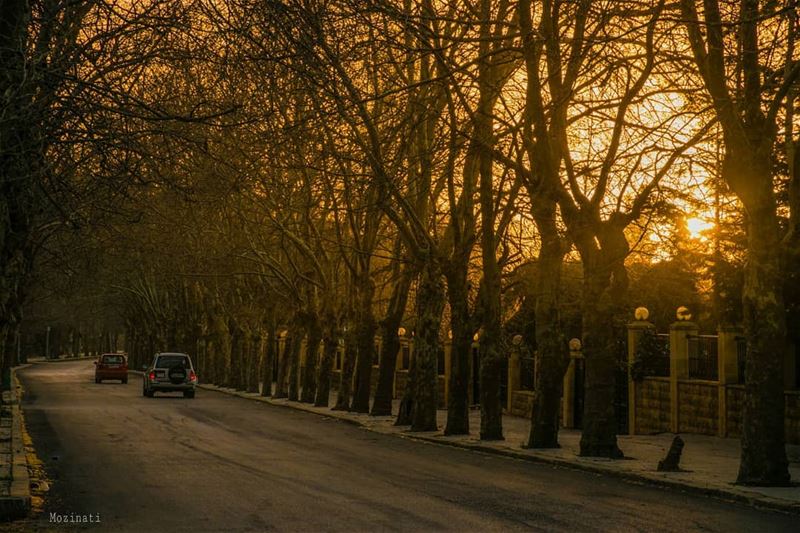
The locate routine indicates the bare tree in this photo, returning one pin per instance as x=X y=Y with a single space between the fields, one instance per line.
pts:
x=748 y=74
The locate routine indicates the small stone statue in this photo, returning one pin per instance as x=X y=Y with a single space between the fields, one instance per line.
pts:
x=671 y=463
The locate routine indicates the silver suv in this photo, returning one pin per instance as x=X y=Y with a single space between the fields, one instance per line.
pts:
x=170 y=372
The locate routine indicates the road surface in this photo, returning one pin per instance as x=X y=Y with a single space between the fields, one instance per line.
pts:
x=221 y=463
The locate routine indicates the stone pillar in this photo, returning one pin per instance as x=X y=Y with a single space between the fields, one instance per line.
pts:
x=399 y=361
x=513 y=376
x=635 y=331
x=678 y=364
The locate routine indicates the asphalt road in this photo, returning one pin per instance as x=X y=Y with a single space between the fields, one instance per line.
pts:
x=221 y=463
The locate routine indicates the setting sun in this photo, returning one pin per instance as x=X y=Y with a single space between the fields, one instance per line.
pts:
x=697 y=226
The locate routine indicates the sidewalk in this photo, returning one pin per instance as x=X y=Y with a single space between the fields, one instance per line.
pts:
x=710 y=463
x=15 y=493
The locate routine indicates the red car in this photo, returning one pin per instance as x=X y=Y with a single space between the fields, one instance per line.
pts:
x=111 y=366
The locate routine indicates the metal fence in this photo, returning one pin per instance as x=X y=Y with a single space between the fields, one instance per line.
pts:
x=659 y=366
x=703 y=357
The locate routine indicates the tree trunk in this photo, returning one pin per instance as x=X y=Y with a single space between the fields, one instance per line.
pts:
x=460 y=352
x=551 y=345
x=245 y=366
x=430 y=305
x=222 y=349
x=237 y=354
x=330 y=345
x=390 y=346
x=599 y=436
x=406 y=410
x=343 y=396
x=763 y=459
x=314 y=336
x=491 y=400
x=295 y=343
x=5 y=362
x=366 y=328
x=270 y=357
x=283 y=368
x=254 y=352
x=490 y=346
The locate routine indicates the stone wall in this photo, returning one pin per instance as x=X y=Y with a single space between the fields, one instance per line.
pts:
x=522 y=403
x=734 y=395
x=698 y=407
x=652 y=405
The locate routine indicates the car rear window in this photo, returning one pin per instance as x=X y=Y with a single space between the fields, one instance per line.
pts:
x=169 y=361
x=113 y=359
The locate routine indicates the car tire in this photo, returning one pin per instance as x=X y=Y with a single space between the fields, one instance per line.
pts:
x=125 y=381
x=98 y=380
x=188 y=394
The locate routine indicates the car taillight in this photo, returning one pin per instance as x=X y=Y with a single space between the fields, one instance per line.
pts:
x=152 y=375
x=192 y=376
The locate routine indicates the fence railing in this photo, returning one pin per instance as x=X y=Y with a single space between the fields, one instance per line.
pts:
x=659 y=366
x=703 y=357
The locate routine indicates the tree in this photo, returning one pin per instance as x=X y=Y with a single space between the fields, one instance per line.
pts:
x=745 y=56
x=594 y=82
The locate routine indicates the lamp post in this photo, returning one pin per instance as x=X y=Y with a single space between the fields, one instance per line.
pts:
x=47 y=344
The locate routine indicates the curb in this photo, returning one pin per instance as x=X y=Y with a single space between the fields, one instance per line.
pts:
x=283 y=402
x=269 y=400
x=18 y=503
x=62 y=360
x=753 y=501
x=763 y=502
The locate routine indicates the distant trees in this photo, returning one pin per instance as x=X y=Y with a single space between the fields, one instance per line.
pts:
x=68 y=139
